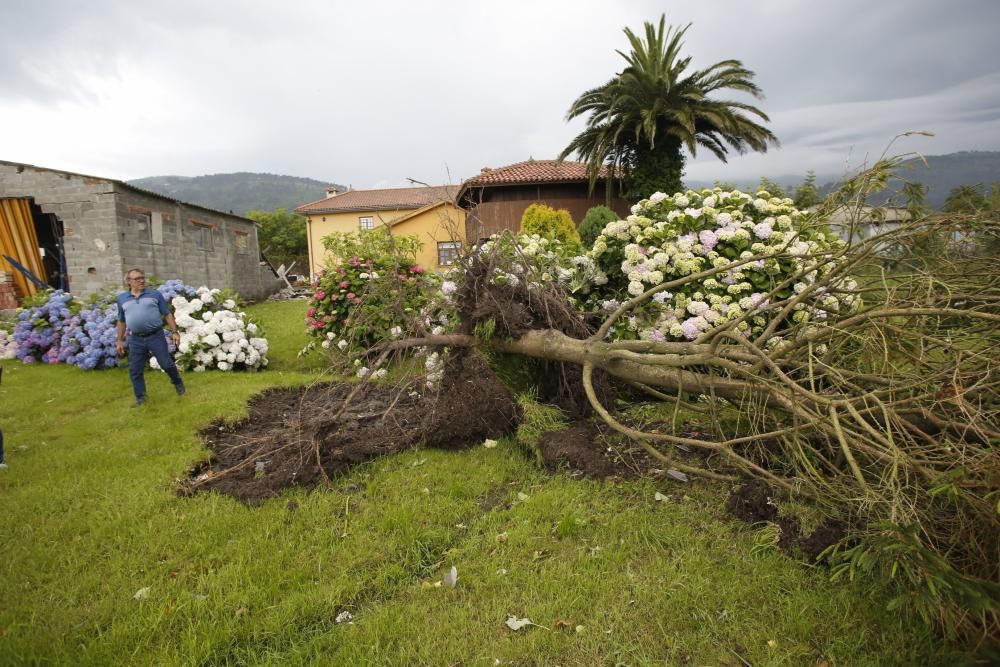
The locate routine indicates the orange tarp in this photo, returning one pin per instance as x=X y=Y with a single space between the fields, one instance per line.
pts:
x=18 y=240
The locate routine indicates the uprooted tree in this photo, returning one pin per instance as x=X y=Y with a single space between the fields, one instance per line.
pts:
x=855 y=367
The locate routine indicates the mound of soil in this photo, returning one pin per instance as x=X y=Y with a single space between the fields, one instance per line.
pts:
x=305 y=435
x=473 y=406
x=583 y=449
x=752 y=502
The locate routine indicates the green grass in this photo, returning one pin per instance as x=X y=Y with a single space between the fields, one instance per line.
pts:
x=90 y=517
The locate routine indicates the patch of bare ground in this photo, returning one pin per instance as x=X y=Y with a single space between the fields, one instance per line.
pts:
x=303 y=436
x=753 y=502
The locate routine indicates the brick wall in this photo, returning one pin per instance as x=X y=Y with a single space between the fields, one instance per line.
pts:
x=8 y=293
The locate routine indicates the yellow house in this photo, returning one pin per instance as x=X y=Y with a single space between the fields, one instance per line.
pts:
x=429 y=213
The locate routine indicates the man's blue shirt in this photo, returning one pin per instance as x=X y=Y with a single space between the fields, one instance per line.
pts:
x=142 y=314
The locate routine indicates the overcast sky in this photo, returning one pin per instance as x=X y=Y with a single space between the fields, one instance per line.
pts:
x=373 y=93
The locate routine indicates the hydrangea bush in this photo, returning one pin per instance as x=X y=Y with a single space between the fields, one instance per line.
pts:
x=756 y=252
x=89 y=339
x=55 y=328
x=8 y=346
x=358 y=302
x=214 y=333
x=761 y=248
x=41 y=325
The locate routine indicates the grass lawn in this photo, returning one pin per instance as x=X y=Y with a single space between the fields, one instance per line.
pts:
x=102 y=563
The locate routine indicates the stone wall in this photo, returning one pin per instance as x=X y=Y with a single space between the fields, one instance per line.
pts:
x=110 y=227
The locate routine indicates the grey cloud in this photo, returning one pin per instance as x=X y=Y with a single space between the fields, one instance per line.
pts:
x=373 y=93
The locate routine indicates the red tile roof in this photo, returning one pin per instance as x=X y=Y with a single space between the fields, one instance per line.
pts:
x=389 y=199
x=533 y=171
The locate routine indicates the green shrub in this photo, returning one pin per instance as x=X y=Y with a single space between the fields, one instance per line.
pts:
x=550 y=224
x=593 y=224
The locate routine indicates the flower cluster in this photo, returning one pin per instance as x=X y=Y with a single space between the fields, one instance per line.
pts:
x=40 y=327
x=8 y=346
x=350 y=309
x=536 y=260
x=89 y=340
x=760 y=248
x=215 y=334
x=174 y=288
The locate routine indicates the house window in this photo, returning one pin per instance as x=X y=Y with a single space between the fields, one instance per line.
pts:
x=144 y=224
x=242 y=243
x=156 y=227
x=366 y=222
x=202 y=236
x=448 y=252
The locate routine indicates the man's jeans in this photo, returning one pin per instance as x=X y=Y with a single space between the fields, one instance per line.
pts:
x=139 y=349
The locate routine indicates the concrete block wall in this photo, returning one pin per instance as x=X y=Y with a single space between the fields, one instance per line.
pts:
x=179 y=256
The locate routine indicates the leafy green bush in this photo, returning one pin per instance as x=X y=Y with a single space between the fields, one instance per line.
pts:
x=593 y=224
x=550 y=224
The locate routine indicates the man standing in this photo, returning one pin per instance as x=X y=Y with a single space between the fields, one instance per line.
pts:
x=142 y=311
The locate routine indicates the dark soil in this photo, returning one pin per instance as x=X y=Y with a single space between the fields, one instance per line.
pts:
x=473 y=406
x=584 y=451
x=753 y=502
x=303 y=436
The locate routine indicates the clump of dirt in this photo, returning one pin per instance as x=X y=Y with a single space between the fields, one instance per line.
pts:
x=583 y=448
x=474 y=405
x=305 y=435
x=753 y=502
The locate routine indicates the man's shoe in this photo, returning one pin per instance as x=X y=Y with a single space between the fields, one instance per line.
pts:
x=180 y=389
x=139 y=402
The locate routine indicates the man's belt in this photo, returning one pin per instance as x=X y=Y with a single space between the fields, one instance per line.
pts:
x=151 y=333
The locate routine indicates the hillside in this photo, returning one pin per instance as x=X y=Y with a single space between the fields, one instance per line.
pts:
x=940 y=174
x=238 y=192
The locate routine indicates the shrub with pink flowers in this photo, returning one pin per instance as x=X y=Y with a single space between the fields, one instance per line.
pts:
x=373 y=293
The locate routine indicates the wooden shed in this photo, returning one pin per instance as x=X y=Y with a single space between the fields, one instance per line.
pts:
x=496 y=199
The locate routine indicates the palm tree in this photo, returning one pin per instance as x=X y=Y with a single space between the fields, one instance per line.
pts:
x=640 y=120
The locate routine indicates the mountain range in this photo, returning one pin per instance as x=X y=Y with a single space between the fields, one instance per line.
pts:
x=238 y=192
x=940 y=173
x=244 y=191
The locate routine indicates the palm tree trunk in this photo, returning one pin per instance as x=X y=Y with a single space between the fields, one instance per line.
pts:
x=656 y=168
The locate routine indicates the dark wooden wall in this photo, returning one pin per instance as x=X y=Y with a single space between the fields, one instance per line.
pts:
x=500 y=208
